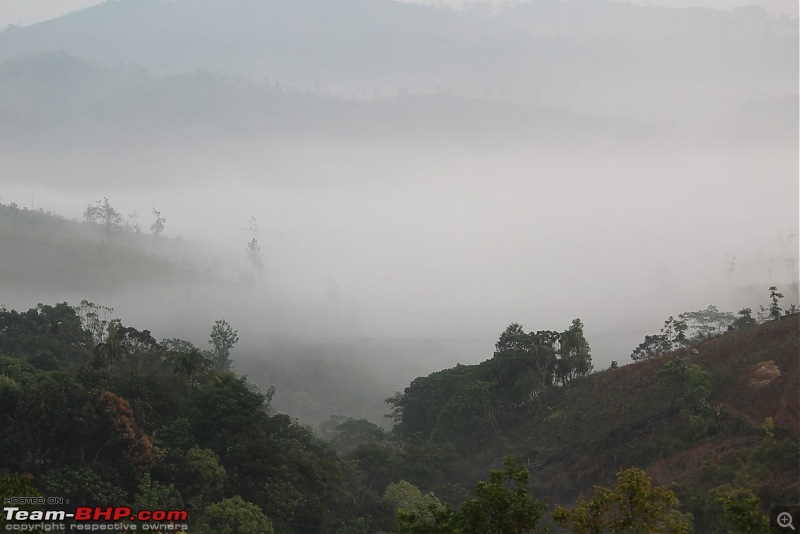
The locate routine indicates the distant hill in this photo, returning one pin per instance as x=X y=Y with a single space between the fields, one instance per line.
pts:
x=46 y=252
x=558 y=53
x=61 y=103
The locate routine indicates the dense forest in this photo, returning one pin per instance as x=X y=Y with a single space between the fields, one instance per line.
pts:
x=104 y=413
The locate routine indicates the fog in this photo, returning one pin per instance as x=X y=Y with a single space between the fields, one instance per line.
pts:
x=402 y=231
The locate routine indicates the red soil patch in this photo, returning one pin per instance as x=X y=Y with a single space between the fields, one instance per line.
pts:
x=768 y=388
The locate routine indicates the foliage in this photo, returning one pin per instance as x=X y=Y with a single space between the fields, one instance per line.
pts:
x=575 y=358
x=86 y=432
x=651 y=347
x=432 y=519
x=110 y=353
x=673 y=335
x=689 y=382
x=191 y=363
x=744 y=320
x=634 y=506
x=707 y=322
x=200 y=477
x=408 y=498
x=127 y=348
x=16 y=485
x=501 y=504
x=157 y=228
x=472 y=405
x=223 y=338
x=775 y=308
x=741 y=510
x=49 y=337
x=233 y=516
x=347 y=433
x=84 y=486
x=677 y=333
x=155 y=495
x=498 y=508
x=102 y=213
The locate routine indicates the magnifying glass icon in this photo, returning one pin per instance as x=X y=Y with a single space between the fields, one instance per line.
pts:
x=785 y=520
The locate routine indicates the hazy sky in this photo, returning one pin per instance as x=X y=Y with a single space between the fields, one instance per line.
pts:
x=26 y=12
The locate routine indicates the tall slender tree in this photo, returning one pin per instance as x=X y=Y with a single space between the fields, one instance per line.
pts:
x=223 y=338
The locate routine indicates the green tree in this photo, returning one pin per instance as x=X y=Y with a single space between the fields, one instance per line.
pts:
x=53 y=423
x=50 y=337
x=379 y=464
x=707 y=322
x=775 y=308
x=224 y=411
x=111 y=352
x=430 y=520
x=406 y=496
x=200 y=478
x=16 y=485
x=633 y=506
x=673 y=334
x=191 y=363
x=143 y=351
x=681 y=326
x=651 y=347
x=740 y=510
x=575 y=354
x=153 y=495
x=502 y=504
x=84 y=484
x=233 y=516
x=223 y=338
x=745 y=320
x=347 y=433
x=689 y=381
x=102 y=213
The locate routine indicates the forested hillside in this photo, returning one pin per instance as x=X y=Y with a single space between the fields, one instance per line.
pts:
x=105 y=413
x=718 y=416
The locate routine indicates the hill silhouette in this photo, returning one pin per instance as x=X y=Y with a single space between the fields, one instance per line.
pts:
x=563 y=54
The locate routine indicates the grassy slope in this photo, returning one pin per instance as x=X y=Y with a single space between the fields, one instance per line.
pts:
x=45 y=251
x=622 y=417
